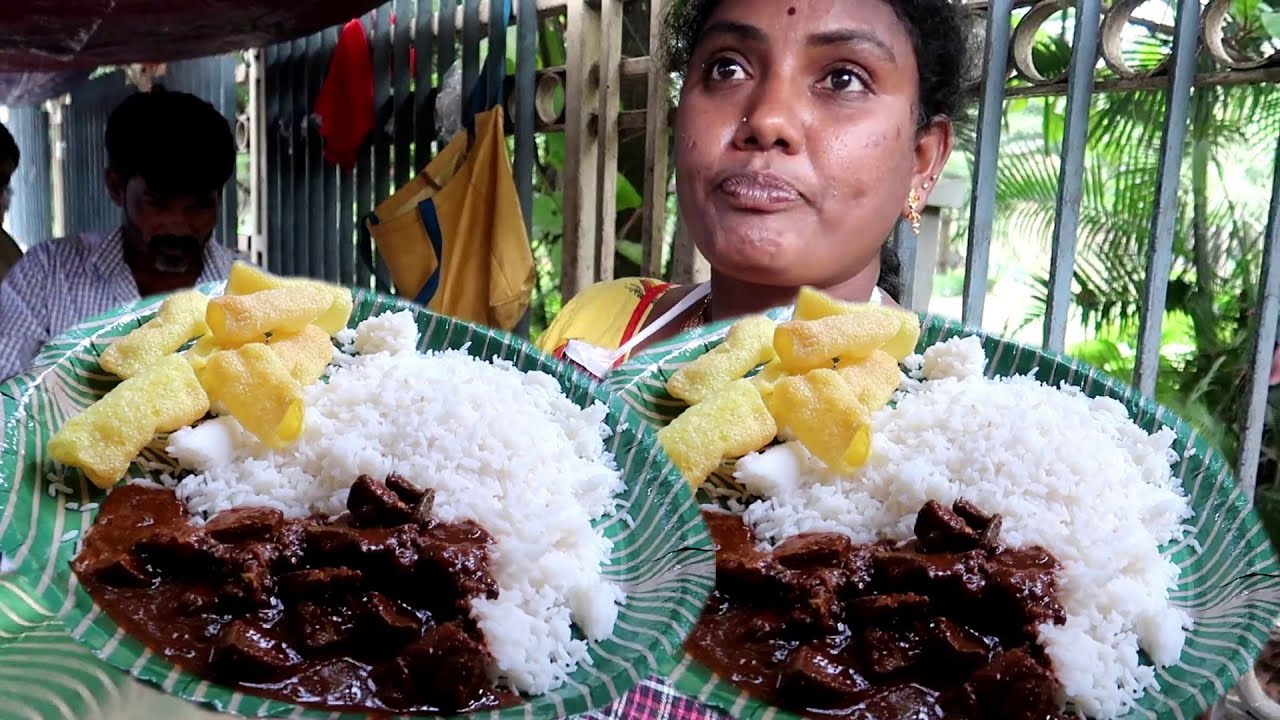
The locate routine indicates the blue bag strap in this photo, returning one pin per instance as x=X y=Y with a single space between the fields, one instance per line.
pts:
x=427 y=209
x=490 y=87
x=430 y=221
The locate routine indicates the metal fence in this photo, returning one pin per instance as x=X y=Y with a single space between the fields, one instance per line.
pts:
x=311 y=210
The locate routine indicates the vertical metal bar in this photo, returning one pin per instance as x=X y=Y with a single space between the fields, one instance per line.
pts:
x=382 y=49
x=526 y=93
x=321 y=212
x=657 y=141
x=1165 y=217
x=1066 y=224
x=990 y=113
x=223 y=85
x=289 y=134
x=497 y=48
x=906 y=244
x=424 y=117
x=330 y=205
x=302 y=218
x=364 y=205
x=582 y=54
x=470 y=47
x=607 y=127
x=1268 y=316
x=402 y=115
x=447 y=34
x=272 y=84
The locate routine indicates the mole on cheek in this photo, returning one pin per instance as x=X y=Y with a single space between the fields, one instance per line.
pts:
x=791 y=11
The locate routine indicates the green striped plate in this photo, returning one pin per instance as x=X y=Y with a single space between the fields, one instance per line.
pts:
x=664 y=562
x=1230 y=586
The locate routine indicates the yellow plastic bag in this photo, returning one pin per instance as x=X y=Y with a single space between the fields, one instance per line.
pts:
x=454 y=238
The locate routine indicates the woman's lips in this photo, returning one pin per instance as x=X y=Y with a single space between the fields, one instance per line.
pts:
x=759 y=192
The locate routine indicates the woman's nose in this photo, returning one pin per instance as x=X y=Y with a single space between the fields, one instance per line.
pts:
x=771 y=119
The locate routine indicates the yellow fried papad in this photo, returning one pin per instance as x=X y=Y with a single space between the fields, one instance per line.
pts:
x=822 y=412
x=239 y=319
x=246 y=279
x=804 y=345
x=748 y=344
x=731 y=423
x=306 y=353
x=106 y=437
x=253 y=384
x=181 y=317
x=873 y=379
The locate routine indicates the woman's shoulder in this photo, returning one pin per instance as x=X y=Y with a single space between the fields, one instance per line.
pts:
x=602 y=313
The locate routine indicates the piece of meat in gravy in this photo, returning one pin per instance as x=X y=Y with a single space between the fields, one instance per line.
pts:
x=443 y=668
x=242 y=651
x=374 y=504
x=815 y=673
x=389 y=620
x=241 y=524
x=322 y=626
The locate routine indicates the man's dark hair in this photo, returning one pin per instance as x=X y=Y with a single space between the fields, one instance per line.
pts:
x=8 y=146
x=176 y=142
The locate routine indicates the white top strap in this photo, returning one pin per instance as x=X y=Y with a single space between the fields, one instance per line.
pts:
x=698 y=294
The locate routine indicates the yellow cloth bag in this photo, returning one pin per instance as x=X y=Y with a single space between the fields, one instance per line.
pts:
x=454 y=239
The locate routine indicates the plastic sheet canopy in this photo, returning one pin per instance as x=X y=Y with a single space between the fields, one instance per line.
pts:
x=58 y=35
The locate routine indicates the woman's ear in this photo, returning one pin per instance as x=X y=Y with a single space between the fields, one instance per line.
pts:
x=933 y=149
x=116 y=186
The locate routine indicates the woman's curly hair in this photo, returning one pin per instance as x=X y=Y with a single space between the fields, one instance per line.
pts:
x=940 y=36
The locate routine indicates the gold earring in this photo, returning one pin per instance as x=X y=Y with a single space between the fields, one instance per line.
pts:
x=913 y=211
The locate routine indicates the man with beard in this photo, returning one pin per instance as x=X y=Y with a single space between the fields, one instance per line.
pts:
x=169 y=155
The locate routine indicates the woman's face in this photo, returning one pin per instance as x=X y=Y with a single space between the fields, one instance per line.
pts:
x=797 y=138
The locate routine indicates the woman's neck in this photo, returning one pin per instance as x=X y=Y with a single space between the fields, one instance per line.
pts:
x=731 y=298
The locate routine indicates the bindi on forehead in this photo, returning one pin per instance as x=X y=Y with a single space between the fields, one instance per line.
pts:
x=791 y=10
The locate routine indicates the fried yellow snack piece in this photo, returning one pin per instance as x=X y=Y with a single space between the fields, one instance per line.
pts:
x=768 y=377
x=181 y=317
x=804 y=345
x=204 y=348
x=813 y=304
x=239 y=319
x=104 y=439
x=246 y=279
x=255 y=387
x=748 y=343
x=306 y=354
x=821 y=411
x=731 y=423
x=874 y=379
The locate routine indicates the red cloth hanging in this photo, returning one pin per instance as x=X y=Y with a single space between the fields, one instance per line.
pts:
x=345 y=104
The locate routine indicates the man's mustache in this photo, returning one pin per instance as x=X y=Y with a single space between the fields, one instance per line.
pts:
x=175 y=253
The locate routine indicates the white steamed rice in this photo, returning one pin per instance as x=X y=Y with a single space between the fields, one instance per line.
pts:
x=499 y=446
x=1067 y=472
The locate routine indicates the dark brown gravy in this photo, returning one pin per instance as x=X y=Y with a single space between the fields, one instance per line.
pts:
x=367 y=612
x=943 y=626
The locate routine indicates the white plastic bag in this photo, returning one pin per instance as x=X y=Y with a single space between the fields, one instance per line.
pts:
x=449 y=103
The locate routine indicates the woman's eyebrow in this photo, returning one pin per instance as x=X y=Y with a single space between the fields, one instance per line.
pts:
x=737 y=30
x=855 y=36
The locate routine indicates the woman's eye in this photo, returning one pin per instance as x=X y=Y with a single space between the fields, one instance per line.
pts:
x=844 y=80
x=726 y=69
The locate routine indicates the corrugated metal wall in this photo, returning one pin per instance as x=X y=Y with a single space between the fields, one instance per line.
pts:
x=30 y=216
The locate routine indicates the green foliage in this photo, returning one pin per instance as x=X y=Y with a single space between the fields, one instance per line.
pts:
x=1220 y=216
